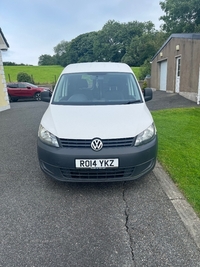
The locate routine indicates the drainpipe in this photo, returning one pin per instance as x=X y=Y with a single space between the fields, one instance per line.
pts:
x=198 y=95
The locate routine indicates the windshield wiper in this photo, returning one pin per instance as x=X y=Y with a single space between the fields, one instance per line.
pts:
x=133 y=101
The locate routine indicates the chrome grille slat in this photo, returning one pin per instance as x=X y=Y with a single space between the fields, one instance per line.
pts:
x=85 y=143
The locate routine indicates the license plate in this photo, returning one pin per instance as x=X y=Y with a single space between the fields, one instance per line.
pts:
x=97 y=163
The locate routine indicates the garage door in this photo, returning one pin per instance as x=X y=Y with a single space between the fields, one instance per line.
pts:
x=163 y=75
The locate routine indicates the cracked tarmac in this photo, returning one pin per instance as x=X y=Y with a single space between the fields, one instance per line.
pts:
x=126 y=221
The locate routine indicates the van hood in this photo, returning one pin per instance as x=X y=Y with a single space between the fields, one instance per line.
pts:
x=102 y=121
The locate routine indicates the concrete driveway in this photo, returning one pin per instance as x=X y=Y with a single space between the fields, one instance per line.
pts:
x=46 y=223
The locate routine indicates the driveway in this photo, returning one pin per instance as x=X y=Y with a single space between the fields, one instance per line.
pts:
x=163 y=100
x=47 y=223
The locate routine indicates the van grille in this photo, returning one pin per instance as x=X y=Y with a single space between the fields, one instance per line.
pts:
x=97 y=174
x=85 y=143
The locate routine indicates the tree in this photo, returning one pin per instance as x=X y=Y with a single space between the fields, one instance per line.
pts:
x=114 y=39
x=137 y=44
x=143 y=47
x=131 y=43
x=46 y=60
x=8 y=63
x=60 y=49
x=62 y=53
x=181 y=16
x=81 y=48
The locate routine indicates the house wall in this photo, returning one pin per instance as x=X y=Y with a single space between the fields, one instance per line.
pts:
x=190 y=68
x=189 y=51
x=4 y=102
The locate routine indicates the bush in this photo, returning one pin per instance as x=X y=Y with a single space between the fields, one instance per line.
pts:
x=145 y=70
x=24 y=77
x=144 y=85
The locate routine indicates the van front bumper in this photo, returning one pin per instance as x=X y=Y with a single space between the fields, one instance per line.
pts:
x=134 y=162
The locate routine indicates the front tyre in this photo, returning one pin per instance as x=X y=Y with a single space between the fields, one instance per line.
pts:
x=12 y=99
x=37 y=96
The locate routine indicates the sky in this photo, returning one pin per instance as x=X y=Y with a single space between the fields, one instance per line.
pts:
x=34 y=27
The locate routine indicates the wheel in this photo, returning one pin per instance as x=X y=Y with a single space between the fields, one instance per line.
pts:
x=37 y=97
x=10 y=98
x=13 y=99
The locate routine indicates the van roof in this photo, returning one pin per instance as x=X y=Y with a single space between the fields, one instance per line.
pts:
x=97 y=67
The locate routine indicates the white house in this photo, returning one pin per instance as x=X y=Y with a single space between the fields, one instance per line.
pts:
x=4 y=101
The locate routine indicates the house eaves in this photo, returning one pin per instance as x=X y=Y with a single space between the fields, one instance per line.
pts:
x=3 y=42
x=178 y=35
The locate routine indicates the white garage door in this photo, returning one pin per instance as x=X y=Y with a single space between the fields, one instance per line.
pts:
x=163 y=75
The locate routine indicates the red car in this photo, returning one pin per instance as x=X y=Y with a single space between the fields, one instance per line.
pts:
x=22 y=90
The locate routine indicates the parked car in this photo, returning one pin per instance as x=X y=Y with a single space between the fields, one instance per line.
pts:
x=22 y=90
x=97 y=126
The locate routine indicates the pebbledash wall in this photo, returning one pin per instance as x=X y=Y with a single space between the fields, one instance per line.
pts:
x=4 y=101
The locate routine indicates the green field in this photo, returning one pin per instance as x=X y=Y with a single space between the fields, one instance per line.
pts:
x=136 y=71
x=41 y=74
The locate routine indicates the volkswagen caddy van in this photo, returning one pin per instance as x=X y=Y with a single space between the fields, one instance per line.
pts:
x=97 y=127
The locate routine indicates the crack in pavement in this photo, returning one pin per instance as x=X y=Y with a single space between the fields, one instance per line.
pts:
x=126 y=212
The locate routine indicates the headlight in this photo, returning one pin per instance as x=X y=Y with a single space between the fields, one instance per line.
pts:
x=146 y=136
x=47 y=137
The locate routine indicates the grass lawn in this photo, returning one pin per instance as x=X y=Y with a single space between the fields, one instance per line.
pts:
x=179 y=149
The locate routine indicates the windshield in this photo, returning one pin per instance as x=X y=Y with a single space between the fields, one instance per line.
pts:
x=96 y=89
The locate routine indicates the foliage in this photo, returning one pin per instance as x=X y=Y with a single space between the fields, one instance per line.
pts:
x=131 y=42
x=24 y=77
x=61 y=48
x=179 y=141
x=8 y=63
x=40 y=74
x=62 y=53
x=81 y=48
x=181 y=16
x=144 y=85
x=107 y=45
x=46 y=60
x=145 y=70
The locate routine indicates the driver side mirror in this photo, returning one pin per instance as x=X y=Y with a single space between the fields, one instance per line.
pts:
x=148 y=94
x=46 y=96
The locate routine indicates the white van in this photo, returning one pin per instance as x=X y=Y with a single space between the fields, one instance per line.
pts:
x=97 y=126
